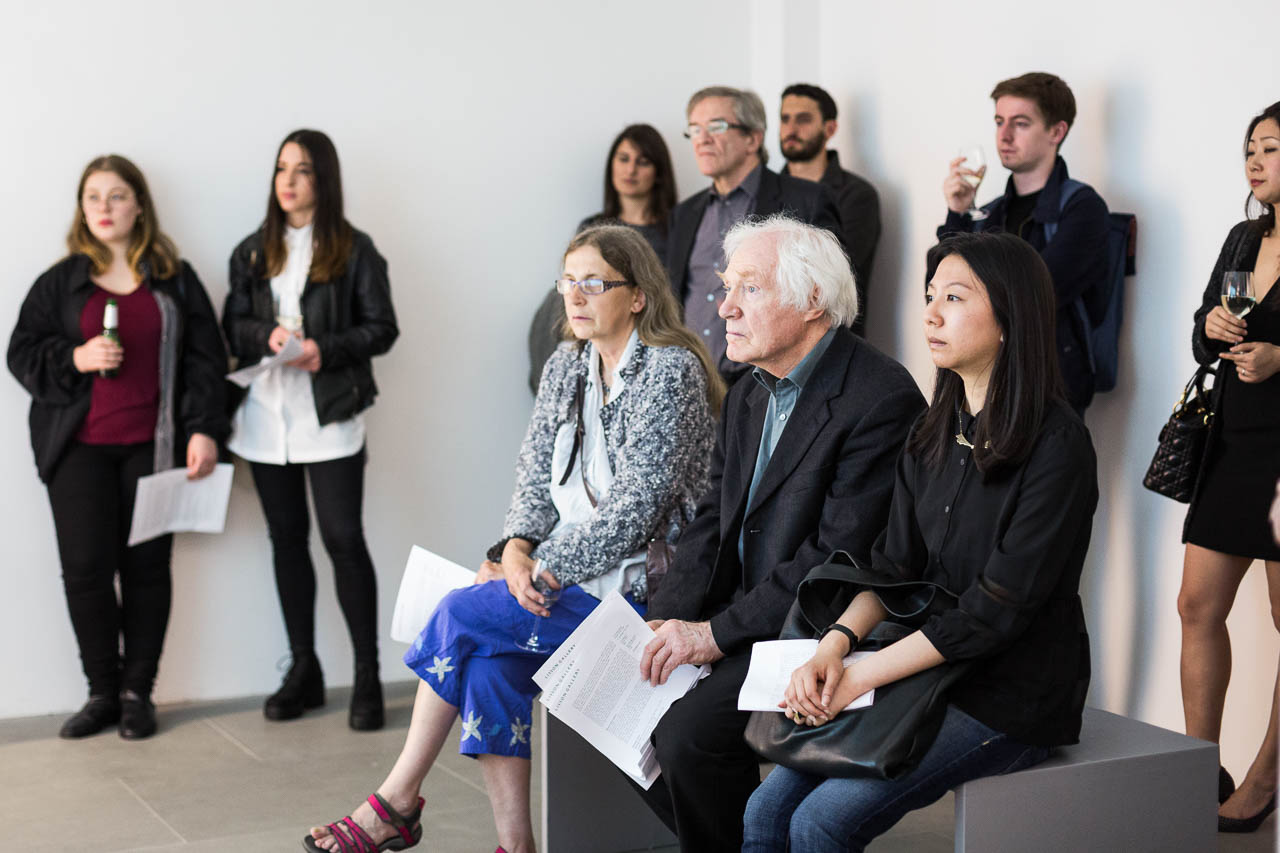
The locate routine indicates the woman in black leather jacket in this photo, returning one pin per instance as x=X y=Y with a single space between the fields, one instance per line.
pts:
x=106 y=412
x=307 y=274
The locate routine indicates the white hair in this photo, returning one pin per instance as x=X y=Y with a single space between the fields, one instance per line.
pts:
x=808 y=259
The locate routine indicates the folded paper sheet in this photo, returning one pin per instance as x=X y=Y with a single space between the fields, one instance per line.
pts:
x=427 y=578
x=592 y=684
x=769 y=673
x=244 y=376
x=170 y=503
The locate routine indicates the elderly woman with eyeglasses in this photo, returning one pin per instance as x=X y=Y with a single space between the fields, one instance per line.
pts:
x=616 y=454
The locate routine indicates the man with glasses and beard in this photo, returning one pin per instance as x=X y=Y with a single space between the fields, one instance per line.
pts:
x=726 y=128
x=807 y=124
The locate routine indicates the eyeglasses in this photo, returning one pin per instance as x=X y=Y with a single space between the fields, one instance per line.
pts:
x=589 y=286
x=715 y=127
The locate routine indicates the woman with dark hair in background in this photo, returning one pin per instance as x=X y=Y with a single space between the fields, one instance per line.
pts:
x=994 y=500
x=307 y=273
x=1226 y=527
x=107 y=410
x=639 y=191
x=616 y=454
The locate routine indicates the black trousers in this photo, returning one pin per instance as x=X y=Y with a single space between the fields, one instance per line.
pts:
x=337 y=489
x=91 y=494
x=708 y=771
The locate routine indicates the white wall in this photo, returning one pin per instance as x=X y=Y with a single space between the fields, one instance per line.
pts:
x=472 y=140
x=1164 y=94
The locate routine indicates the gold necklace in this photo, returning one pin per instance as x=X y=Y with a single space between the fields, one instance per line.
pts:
x=960 y=437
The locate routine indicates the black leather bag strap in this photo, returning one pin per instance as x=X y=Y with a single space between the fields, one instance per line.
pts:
x=827 y=590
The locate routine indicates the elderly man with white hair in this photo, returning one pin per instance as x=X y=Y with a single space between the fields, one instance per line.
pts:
x=803 y=465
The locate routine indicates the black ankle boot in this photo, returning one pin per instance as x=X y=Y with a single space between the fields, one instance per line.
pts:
x=137 y=716
x=366 y=700
x=303 y=688
x=98 y=713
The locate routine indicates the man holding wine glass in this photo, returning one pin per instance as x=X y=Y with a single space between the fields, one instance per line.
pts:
x=1064 y=220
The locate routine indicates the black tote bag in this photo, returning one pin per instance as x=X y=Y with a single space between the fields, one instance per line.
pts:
x=887 y=739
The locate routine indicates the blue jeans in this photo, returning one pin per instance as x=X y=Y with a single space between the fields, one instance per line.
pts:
x=816 y=813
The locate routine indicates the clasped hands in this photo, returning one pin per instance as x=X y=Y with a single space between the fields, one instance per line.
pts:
x=821 y=688
x=1255 y=361
x=310 y=358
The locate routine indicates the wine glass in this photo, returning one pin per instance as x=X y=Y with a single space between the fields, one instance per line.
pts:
x=550 y=595
x=1237 y=293
x=974 y=160
x=288 y=322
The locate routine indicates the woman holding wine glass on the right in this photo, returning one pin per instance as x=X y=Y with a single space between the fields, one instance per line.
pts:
x=1227 y=527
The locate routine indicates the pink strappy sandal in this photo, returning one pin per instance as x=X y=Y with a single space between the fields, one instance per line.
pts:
x=352 y=839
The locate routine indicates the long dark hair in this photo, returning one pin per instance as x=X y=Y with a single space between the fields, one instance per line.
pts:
x=332 y=232
x=147 y=244
x=651 y=146
x=1025 y=380
x=1266 y=221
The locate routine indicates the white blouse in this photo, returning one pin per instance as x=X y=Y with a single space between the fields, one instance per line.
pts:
x=277 y=421
x=570 y=499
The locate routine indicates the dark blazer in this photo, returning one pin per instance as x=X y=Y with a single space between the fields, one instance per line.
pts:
x=828 y=486
x=805 y=200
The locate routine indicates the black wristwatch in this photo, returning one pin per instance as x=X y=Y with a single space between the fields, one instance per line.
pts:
x=838 y=628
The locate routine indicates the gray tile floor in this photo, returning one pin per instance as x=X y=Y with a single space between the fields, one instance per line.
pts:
x=220 y=777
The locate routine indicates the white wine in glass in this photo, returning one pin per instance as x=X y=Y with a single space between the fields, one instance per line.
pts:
x=1237 y=293
x=975 y=161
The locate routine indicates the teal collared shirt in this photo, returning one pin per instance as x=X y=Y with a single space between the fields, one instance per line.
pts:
x=783 y=394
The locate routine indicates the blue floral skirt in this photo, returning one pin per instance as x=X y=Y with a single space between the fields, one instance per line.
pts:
x=468 y=654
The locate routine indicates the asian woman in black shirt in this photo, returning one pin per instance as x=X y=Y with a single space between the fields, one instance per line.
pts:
x=994 y=500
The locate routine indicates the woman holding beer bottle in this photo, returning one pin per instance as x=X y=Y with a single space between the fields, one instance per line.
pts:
x=119 y=348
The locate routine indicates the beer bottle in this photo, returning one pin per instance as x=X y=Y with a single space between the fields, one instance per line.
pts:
x=110 y=331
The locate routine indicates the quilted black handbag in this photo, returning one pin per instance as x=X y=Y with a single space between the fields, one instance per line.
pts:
x=887 y=739
x=1182 y=443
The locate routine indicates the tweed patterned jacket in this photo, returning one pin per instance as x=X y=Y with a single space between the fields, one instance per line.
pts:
x=659 y=435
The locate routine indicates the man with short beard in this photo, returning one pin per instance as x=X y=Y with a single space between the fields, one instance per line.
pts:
x=808 y=122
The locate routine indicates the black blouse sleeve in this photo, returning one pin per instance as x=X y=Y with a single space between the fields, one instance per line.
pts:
x=900 y=551
x=1057 y=493
x=1207 y=351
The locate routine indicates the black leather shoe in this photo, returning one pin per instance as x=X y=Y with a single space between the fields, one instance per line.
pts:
x=303 y=688
x=98 y=713
x=367 y=712
x=1246 y=824
x=137 y=716
x=1226 y=785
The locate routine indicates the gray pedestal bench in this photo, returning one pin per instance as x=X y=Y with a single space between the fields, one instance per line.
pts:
x=1127 y=786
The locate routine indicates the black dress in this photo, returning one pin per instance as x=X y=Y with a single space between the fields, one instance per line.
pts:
x=1228 y=513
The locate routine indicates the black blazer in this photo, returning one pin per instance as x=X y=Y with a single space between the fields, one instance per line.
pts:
x=807 y=201
x=828 y=486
